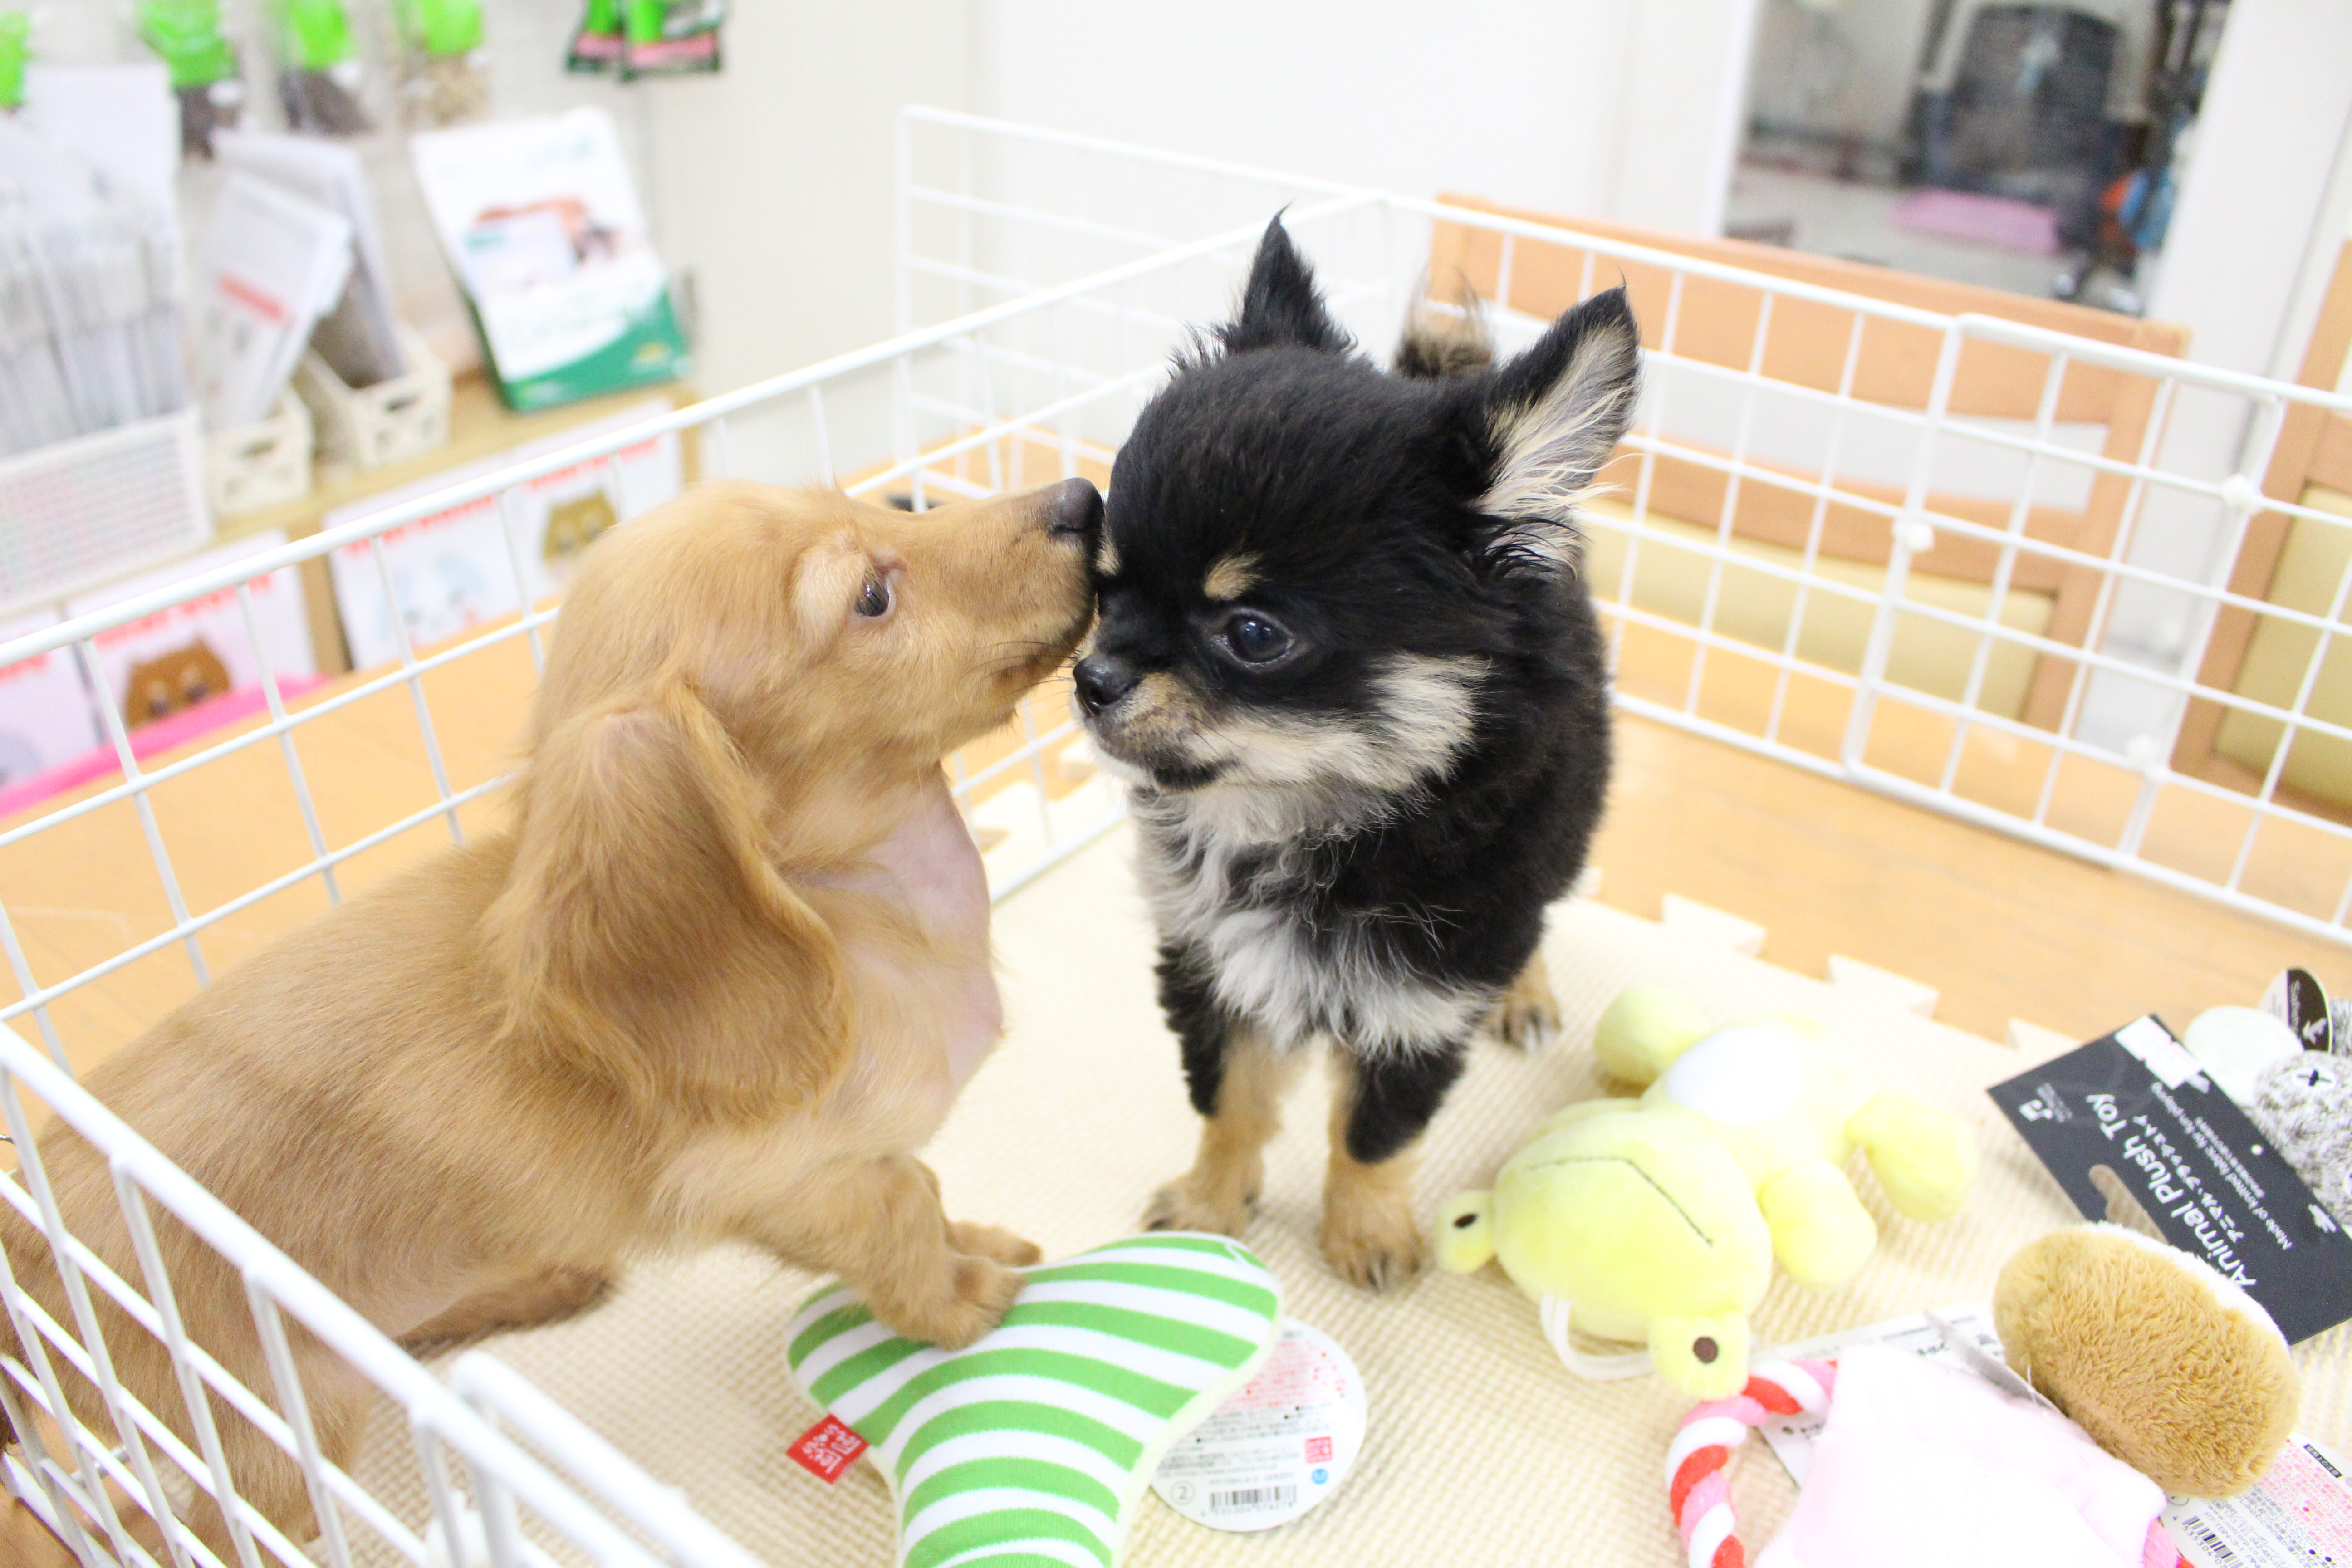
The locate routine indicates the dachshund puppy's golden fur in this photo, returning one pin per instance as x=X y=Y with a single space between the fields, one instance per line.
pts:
x=719 y=978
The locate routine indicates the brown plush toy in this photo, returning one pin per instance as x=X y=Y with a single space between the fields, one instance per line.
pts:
x=2165 y=1365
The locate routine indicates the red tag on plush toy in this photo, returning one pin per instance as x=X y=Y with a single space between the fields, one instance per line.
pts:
x=827 y=1449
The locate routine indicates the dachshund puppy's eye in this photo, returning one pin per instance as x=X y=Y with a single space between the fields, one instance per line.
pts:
x=874 y=599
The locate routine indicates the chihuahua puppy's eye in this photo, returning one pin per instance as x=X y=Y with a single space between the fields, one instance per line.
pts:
x=874 y=599
x=1253 y=639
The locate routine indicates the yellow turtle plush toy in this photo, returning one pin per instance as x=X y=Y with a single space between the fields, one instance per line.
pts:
x=1658 y=1220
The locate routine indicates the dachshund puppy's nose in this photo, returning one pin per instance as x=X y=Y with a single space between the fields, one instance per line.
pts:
x=1076 y=511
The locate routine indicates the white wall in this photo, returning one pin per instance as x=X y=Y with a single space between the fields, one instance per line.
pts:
x=771 y=185
x=1683 y=110
x=1608 y=108
x=2256 y=190
x=774 y=182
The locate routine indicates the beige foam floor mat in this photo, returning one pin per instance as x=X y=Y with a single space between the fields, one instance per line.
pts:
x=1482 y=1450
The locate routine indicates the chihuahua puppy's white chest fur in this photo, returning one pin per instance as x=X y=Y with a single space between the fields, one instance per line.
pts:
x=1281 y=953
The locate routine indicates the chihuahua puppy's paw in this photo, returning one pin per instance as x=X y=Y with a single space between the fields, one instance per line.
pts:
x=1530 y=1023
x=1528 y=1014
x=992 y=1242
x=1183 y=1204
x=1375 y=1247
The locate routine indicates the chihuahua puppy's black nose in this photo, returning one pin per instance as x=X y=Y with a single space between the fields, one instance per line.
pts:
x=1102 y=680
x=1076 y=511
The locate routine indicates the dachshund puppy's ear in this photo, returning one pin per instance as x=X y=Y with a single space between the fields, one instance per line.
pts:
x=644 y=929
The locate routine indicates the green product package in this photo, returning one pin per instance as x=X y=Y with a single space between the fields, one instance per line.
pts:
x=15 y=48
x=318 y=68
x=441 y=28
x=316 y=35
x=444 y=68
x=651 y=349
x=599 y=42
x=672 y=37
x=189 y=37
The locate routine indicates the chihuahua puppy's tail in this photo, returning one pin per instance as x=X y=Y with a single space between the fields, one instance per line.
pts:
x=1444 y=337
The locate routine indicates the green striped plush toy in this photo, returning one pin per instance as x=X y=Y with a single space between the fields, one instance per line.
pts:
x=1033 y=1445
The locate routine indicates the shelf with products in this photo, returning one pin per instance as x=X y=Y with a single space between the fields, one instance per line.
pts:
x=480 y=426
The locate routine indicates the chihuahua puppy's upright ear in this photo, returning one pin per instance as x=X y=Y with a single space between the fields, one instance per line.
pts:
x=645 y=938
x=1549 y=421
x=1280 y=305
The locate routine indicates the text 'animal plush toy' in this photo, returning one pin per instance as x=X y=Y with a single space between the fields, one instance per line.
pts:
x=1034 y=1443
x=1658 y=1220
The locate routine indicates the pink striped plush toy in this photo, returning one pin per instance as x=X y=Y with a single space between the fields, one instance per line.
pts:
x=1919 y=1464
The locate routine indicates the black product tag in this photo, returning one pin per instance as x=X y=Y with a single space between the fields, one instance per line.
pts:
x=2298 y=1000
x=2133 y=1105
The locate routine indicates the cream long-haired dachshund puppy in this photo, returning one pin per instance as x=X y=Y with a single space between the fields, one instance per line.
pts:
x=719 y=979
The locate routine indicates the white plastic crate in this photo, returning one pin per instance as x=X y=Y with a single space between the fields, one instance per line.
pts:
x=1045 y=280
x=95 y=507
x=262 y=464
x=372 y=426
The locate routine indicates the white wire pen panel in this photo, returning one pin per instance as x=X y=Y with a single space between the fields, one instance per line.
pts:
x=2005 y=558
x=1991 y=562
x=208 y=850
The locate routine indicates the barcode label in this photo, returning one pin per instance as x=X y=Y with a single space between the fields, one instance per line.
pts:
x=2212 y=1543
x=1280 y=1446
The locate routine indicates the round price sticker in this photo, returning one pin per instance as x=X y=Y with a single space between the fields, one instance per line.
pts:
x=1276 y=1449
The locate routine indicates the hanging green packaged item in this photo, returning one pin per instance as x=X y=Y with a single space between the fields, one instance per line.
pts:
x=600 y=41
x=672 y=37
x=188 y=36
x=318 y=73
x=15 y=48
x=444 y=68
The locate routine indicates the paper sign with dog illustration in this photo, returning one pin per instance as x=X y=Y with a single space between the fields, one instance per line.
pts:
x=46 y=718
x=181 y=657
x=454 y=569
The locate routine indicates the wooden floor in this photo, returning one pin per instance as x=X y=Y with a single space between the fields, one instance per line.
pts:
x=2002 y=928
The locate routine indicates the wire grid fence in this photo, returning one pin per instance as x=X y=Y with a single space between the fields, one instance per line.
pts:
x=1973 y=561
x=234 y=840
x=1829 y=543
